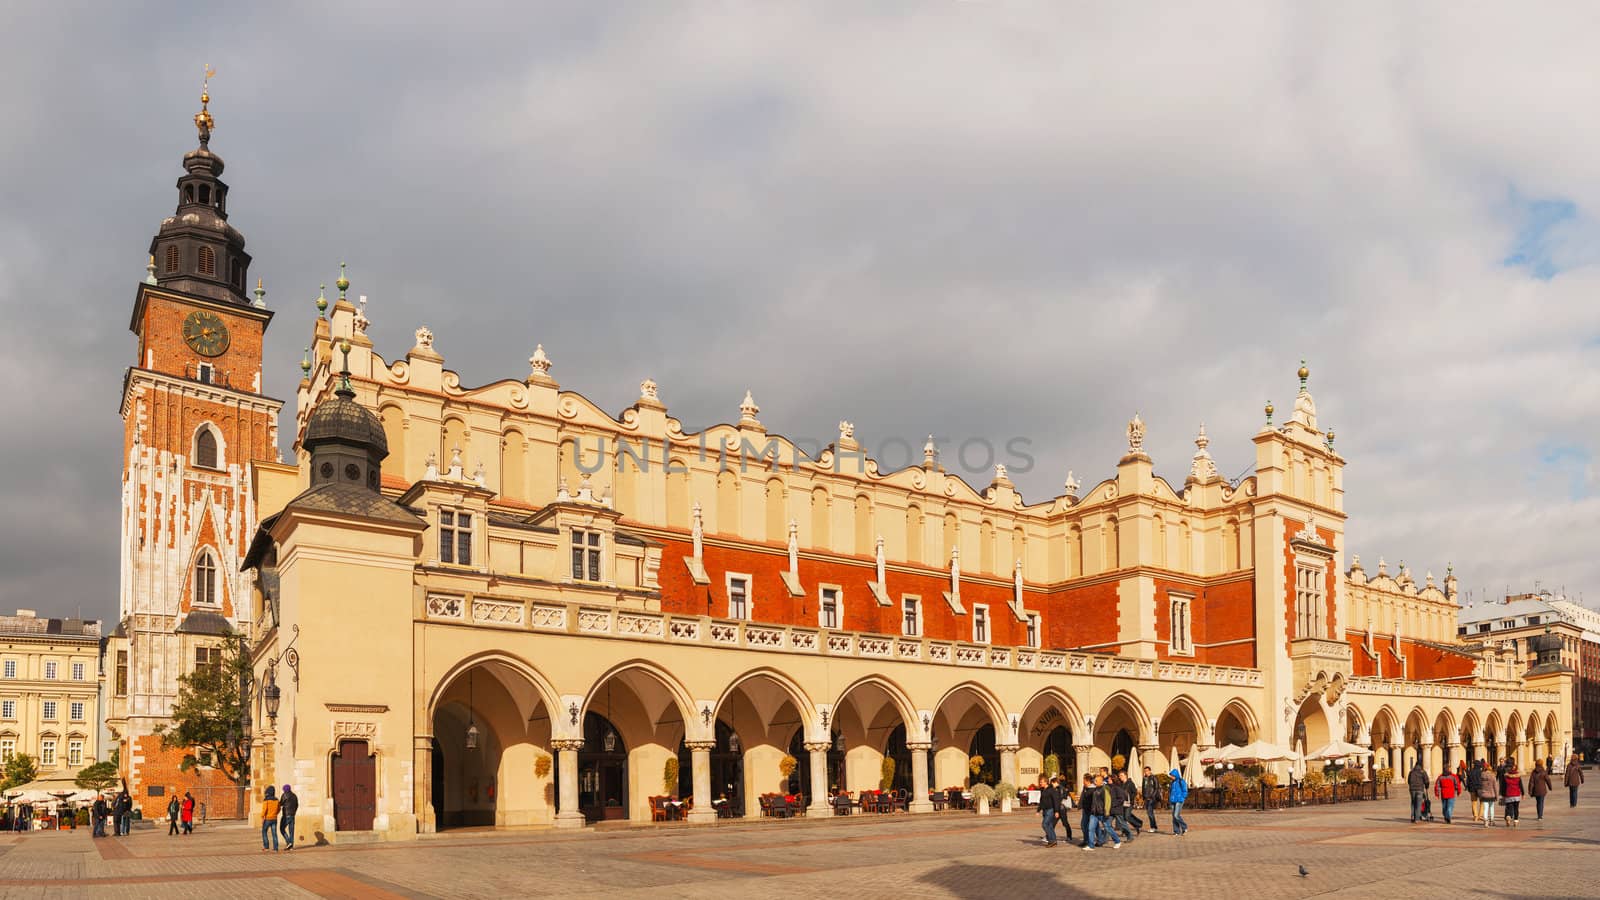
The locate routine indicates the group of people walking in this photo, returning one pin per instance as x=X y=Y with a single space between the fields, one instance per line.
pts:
x=1503 y=786
x=1107 y=802
x=277 y=817
x=180 y=812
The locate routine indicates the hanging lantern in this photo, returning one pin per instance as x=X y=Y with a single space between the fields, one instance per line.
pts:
x=733 y=743
x=472 y=736
x=610 y=741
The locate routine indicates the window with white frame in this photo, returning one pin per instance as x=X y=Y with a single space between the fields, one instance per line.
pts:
x=47 y=710
x=8 y=709
x=980 y=623
x=585 y=555
x=77 y=671
x=1033 y=630
x=8 y=749
x=911 y=616
x=47 y=752
x=828 y=612
x=10 y=669
x=1179 y=638
x=75 y=710
x=1309 y=605
x=455 y=537
x=738 y=596
x=49 y=670
x=75 y=753
x=205 y=579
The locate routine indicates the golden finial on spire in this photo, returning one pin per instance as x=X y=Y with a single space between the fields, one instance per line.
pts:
x=202 y=119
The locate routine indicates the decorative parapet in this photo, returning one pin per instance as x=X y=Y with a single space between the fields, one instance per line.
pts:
x=1385 y=688
x=505 y=614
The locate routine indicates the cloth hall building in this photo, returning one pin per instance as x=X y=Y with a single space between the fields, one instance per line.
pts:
x=504 y=605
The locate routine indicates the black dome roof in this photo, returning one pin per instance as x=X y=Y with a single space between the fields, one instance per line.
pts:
x=340 y=419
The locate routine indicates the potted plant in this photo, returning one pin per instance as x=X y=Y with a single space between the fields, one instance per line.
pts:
x=541 y=766
x=787 y=765
x=982 y=795
x=975 y=765
x=669 y=777
x=886 y=774
x=1006 y=792
x=1119 y=762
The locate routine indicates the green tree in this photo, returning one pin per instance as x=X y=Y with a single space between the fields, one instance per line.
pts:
x=207 y=715
x=20 y=769
x=101 y=776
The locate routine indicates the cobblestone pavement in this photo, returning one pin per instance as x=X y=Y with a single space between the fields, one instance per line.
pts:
x=1351 y=850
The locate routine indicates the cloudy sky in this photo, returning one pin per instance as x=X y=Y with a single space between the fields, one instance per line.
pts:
x=986 y=219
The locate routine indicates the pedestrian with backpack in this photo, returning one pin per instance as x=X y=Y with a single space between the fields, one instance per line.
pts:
x=1178 y=792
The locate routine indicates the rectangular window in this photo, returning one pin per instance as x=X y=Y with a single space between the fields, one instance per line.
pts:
x=203 y=373
x=1308 y=601
x=49 y=670
x=585 y=555
x=911 y=624
x=455 y=537
x=208 y=658
x=1033 y=629
x=738 y=597
x=8 y=749
x=8 y=709
x=980 y=623
x=77 y=671
x=75 y=710
x=48 y=711
x=47 y=752
x=122 y=673
x=11 y=668
x=75 y=753
x=828 y=609
x=1178 y=641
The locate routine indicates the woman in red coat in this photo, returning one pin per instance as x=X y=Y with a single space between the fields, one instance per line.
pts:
x=1512 y=791
x=188 y=813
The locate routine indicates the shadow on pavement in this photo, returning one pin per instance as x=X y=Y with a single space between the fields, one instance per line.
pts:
x=978 y=882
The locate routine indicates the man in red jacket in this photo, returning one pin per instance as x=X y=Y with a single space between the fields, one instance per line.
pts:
x=1446 y=789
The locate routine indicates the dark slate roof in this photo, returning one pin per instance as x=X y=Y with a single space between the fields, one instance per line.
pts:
x=352 y=500
x=340 y=418
x=204 y=621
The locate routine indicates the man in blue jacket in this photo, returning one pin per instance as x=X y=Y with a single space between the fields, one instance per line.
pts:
x=1176 y=794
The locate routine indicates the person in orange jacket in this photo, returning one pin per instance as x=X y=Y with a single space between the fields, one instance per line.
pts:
x=1447 y=788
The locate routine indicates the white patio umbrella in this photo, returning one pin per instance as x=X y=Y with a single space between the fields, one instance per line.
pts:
x=1193 y=772
x=1299 y=765
x=1339 y=750
x=1218 y=754
x=1260 y=751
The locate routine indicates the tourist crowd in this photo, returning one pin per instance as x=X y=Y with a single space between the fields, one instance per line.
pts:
x=1500 y=788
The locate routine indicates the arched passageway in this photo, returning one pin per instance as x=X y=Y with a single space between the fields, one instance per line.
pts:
x=490 y=729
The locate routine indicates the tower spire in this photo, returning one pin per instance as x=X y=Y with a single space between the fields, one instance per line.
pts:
x=203 y=122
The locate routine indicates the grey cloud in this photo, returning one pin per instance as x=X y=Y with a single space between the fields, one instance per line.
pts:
x=980 y=219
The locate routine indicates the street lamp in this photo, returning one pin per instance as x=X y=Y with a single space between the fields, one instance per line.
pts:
x=273 y=695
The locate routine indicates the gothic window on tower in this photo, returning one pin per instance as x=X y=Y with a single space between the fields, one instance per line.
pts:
x=205 y=579
x=455 y=537
x=1179 y=640
x=208 y=261
x=122 y=673
x=172 y=258
x=205 y=448
x=1308 y=601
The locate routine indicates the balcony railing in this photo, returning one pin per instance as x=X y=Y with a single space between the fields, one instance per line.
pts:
x=672 y=628
x=1447 y=691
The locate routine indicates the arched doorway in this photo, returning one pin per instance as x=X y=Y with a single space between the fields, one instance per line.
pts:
x=602 y=770
x=1051 y=728
x=865 y=716
x=490 y=729
x=727 y=769
x=897 y=750
x=632 y=725
x=983 y=745
x=1117 y=732
x=963 y=727
x=1311 y=726
x=1181 y=731
x=1058 y=753
x=761 y=711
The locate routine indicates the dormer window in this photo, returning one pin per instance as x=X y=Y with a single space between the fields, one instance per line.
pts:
x=1033 y=630
x=585 y=555
x=828 y=608
x=455 y=537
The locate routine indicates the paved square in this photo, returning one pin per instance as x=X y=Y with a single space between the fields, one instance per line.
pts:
x=1351 y=850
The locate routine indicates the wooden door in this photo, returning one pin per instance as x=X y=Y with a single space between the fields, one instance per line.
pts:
x=355 y=795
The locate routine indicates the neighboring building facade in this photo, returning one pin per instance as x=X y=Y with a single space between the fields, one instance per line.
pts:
x=1511 y=623
x=49 y=705
x=195 y=423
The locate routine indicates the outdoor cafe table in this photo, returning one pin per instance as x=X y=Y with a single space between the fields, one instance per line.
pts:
x=1032 y=797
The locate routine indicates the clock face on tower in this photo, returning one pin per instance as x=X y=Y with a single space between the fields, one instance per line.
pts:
x=205 y=334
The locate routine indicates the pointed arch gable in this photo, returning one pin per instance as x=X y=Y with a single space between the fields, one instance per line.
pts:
x=543 y=689
x=1126 y=700
x=788 y=687
x=675 y=691
x=1187 y=705
x=898 y=698
x=1242 y=711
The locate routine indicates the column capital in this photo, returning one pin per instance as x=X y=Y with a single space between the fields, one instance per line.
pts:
x=818 y=746
x=1149 y=748
x=1083 y=748
x=565 y=744
x=915 y=745
x=701 y=746
x=1008 y=748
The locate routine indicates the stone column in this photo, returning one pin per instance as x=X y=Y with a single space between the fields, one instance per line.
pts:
x=919 y=778
x=569 y=816
x=1458 y=752
x=1082 y=753
x=817 y=756
x=1145 y=758
x=700 y=761
x=422 y=782
x=1008 y=762
x=1396 y=763
x=1429 y=754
